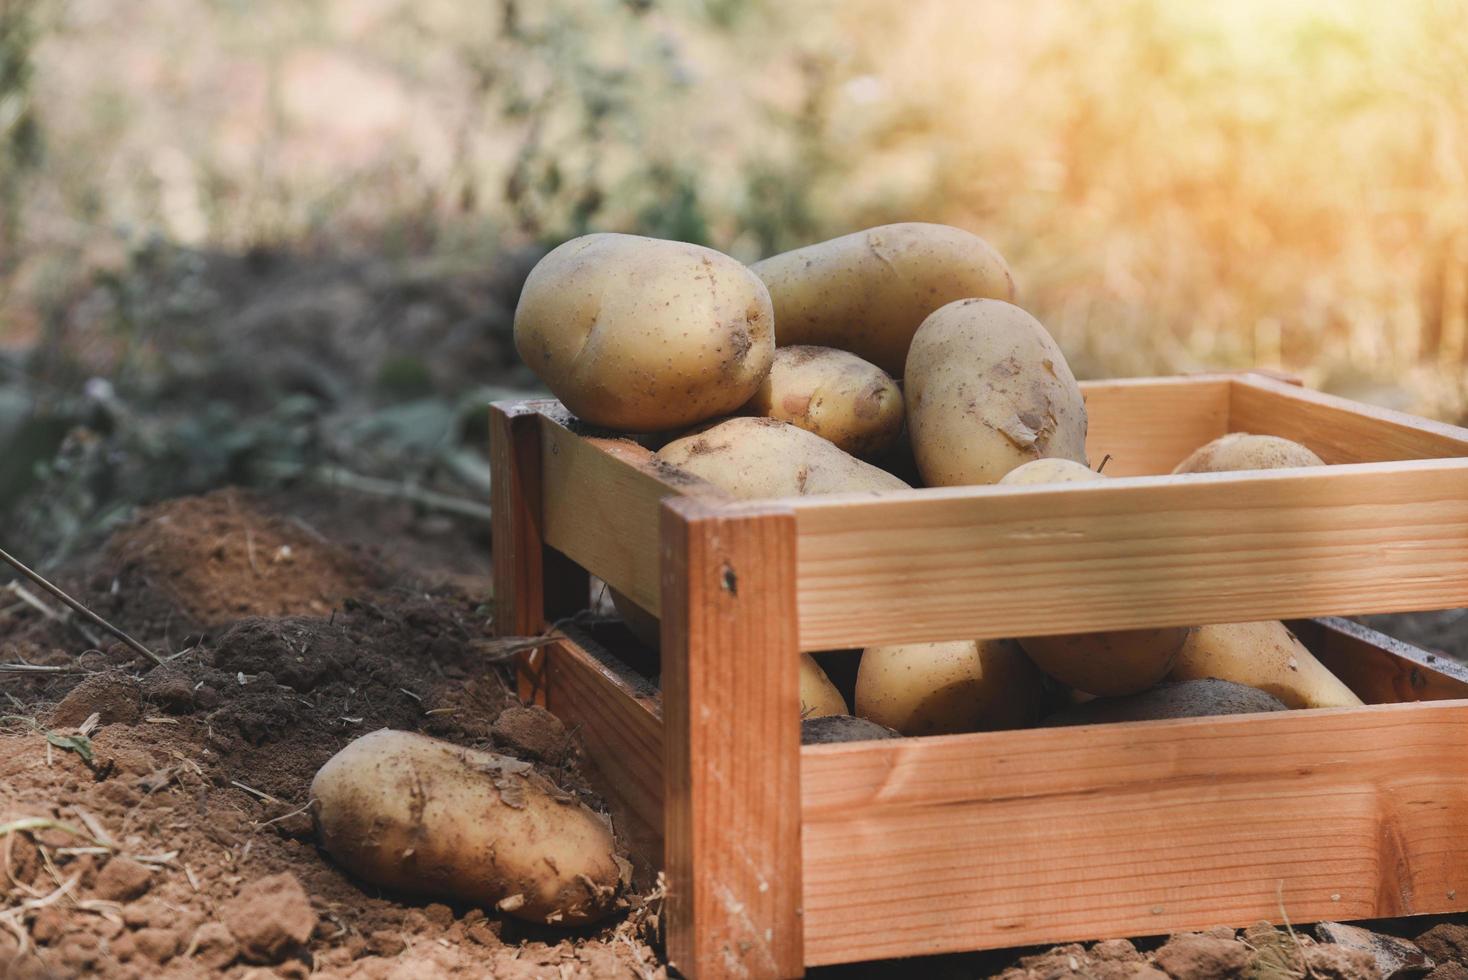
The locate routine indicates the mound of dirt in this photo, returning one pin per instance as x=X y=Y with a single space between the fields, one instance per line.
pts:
x=221 y=556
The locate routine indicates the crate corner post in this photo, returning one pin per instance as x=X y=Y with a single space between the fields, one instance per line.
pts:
x=533 y=584
x=731 y=766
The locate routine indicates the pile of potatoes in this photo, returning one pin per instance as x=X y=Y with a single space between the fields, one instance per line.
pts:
x=887 y=359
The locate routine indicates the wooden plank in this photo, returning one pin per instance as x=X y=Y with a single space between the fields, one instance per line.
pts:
x=731 y=708
x=1380 y=669
x=601 y=506
x=618 y=717
x=533 y=584
x=1148 y=425
x=974 y=562
x=966 y=842
x=1338 y=429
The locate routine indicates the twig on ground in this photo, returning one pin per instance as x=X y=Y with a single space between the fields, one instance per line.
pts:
x=75 y=606
x=254 y=792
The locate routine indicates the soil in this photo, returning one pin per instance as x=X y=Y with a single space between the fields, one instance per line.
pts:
x=181 y=841
x=169 y=833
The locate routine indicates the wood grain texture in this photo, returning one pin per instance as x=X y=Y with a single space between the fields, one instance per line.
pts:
x=731 y=708
x=1339 y=430
x=1000 y=839
x=977 y=562
x=533 y=584
x=601 y=506
x=1148 y=425
x=1380 y=669
x=618 y=718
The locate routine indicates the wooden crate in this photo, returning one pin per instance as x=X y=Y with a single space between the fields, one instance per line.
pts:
x=780 y=857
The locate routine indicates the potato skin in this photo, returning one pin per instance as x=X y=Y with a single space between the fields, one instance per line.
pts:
x=642 y=335
x=947 y=688
x=414 y=813
x=988 y=390
x=1244 y=451
x=868 y=291
x=819 y=698
x=1038 y=471
x=1265 y=655
x=1107 y=664
x=752 y=458
x=835 y=394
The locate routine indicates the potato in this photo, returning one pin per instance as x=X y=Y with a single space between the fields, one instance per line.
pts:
x=944 y=688
x=867 y=292
x=1038 y=471
x=751 y=458
x=987 y=391
x=819 y=698
x=834 y=394
x=409 y=812
x=643 y=335
x=1265 y=655
x=1183 y=699
x=1107 y=664
x=1243 y=451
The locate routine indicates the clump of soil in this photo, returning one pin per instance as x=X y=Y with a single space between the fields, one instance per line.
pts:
x=222 y=556
x=169 y=835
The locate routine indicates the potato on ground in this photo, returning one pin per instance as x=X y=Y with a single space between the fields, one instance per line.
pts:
x=835 y=394
x=867 y=292
x=1265 y=655
x=987 y=391
x=754 y=458
x=946 y=688
x=643 y=335
x=416 y=814
x=1182 y=699
x=1243 y=451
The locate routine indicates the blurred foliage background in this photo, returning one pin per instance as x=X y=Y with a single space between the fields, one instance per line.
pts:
x=283 y=240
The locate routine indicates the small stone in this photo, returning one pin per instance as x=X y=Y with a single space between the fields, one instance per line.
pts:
x=1115 y=950
x=1446 y=941
x=439 y=914
x=122 y=879
x=1394 y=957
x=386 y=942
x=1221 y=932
x=269 y=918
x=170 y=688
x=1334 y=962
x=114 y=697
x=215 y=946
x=482 y=934
x=532 y=733
x=1196 y=955
x=49 y=925
x=159 y=945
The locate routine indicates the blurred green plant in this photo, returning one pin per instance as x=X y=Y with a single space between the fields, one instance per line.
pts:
x=20 y=128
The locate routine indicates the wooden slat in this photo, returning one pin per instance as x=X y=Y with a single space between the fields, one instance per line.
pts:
x=731 y=708
x=601 y=506
x=1148 y=425
x=1380 y=669
x=1339 y=430
x=1001 y=839
x=533 y=584
x=1132 y=553
x=618 y=717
